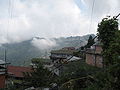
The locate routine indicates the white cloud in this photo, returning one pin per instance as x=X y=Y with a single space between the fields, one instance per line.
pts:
x=43 y=44
x=52 y=18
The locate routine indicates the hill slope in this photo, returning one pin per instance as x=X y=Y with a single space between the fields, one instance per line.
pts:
x=21 y=53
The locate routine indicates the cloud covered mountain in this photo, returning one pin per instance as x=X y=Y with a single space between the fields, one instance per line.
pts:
x=21 y=53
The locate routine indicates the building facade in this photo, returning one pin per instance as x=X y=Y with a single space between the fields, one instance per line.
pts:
x=3 y=73
x=59 y=57
x=94 y=56
x=2 y=80
x=16 y=72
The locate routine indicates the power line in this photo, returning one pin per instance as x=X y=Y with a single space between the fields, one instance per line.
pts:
x=116 y=16
x=91 y=18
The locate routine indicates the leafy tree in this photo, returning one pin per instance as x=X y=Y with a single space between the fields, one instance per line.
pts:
x=112 y=57
x=40 y=77
x=106 y=31
x=88 y=45
x=113 y=52
x=109 y=35
x=90 y=42
x=39 y=60
x=76 y=76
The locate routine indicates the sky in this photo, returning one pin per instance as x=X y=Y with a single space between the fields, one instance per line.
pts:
x=23 y=19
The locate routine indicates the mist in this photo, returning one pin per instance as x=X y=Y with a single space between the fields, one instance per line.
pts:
x=43 y=44
x=51 y=18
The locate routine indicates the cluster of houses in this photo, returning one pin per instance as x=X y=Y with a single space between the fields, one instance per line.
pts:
x=62 y=56
x=59 y=57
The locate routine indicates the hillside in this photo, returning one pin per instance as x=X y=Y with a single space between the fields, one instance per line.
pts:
x=21 y=53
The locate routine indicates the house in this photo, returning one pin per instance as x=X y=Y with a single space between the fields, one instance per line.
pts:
x=68 y=48
x=16 y=72
x=94 y=56
x=16 y=75
x=60 y=57
x=63 y=53
x=3 y=73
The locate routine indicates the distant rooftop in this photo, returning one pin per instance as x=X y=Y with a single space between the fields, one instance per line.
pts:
x=68 y=48
x=65 y=50
x=17 y=71
x=62 y=51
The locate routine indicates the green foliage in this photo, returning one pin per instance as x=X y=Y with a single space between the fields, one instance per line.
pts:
x=113 y=52
x=39 y=60
x=109 y=35
x=109 y=79
x=40 y=77
x=113 y=80
x=106 y=31
x=90 y=42
x=76 y=75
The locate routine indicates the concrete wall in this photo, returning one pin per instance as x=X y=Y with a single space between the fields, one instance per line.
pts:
x=94 y=60
x=2 y=81
x=99 y=61
x=90 y=59
x=98 y=49
x=93 y=57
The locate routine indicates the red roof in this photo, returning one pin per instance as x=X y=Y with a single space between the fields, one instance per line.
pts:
x=17 y=71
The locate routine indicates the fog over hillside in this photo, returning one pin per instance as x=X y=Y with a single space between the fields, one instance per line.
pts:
x=21 y=53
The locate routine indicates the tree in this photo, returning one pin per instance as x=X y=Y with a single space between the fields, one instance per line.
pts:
x=76 y=76
x=109 y=35
x=113 y=52
x=106 y=31
x=40 y=77
x=90 y=42
x=112 y=57
x=88 y=45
